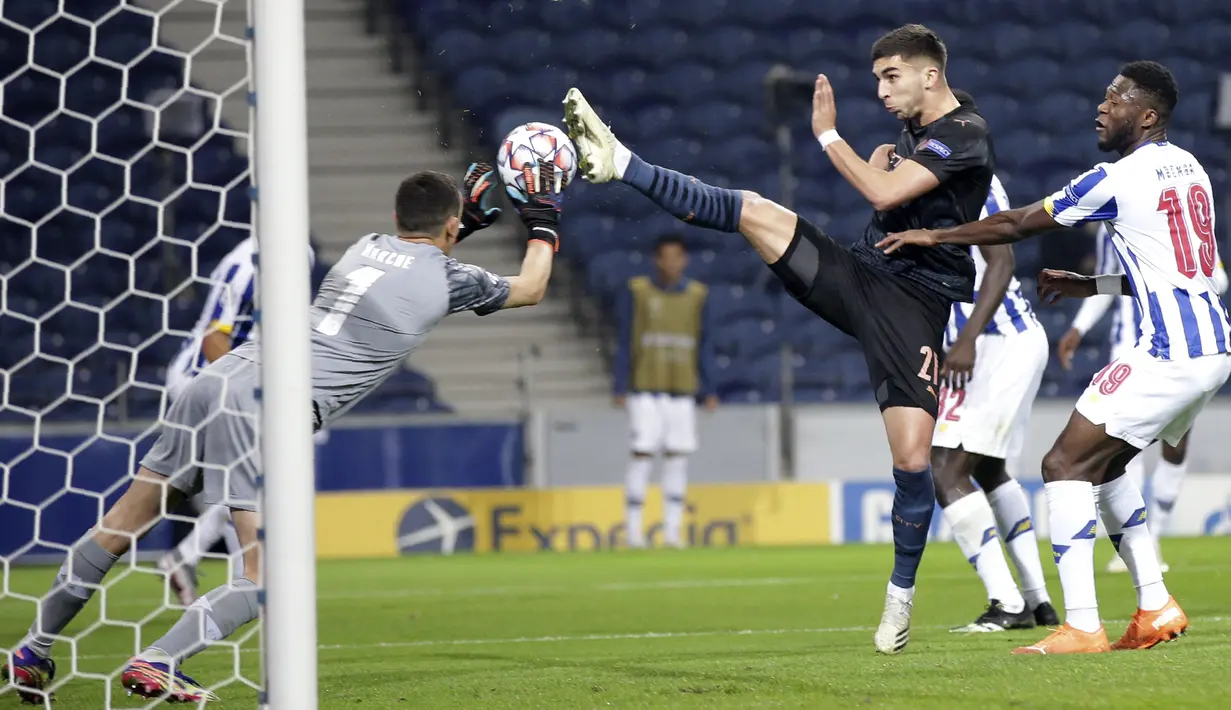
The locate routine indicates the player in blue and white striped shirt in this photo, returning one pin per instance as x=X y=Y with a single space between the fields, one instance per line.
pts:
x=1126 y=318
x=996 y=351
x=1156 y=200
x=225 y=323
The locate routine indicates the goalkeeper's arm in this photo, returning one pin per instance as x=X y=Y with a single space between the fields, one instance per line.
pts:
x=539 y=210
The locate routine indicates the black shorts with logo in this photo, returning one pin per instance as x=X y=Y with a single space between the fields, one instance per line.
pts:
x=899 y=323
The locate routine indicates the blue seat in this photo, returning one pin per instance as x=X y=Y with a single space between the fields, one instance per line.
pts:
x=659 y=48
x=608 y=273
x=726 y=45
x=732 y=303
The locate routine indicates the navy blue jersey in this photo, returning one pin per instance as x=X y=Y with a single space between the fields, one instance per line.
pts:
x=957 y=149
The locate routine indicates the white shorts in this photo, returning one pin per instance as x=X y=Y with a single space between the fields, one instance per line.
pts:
x=662 y=423
x=991 y=415
x=1140 y=399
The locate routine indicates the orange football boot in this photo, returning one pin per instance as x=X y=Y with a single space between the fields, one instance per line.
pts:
x=1150 y=628
x=1067 y=639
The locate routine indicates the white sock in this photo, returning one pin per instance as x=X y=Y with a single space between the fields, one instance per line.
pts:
x=621 y=157
x=675 y=488
x=1124 y=514
x=1016 y=526
x=1166 y=482
x=906 y=594
x=210 y=523
x=1072 y=517
x=1135 y=471
x=974 y=529
x=635 y=484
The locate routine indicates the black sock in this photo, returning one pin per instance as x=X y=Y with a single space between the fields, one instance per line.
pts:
x=913 y=504
x=686 y=197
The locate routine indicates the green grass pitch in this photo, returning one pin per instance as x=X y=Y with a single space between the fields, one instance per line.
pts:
x=706 y=628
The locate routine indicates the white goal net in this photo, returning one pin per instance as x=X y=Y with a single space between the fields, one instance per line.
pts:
x=124 y=144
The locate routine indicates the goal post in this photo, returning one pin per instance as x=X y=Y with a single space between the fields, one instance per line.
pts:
x=281 y=172
x=129 y=167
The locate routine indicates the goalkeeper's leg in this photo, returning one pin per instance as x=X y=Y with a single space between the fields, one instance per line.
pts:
x=82 y=572
x=768 y=227
x=154 y=673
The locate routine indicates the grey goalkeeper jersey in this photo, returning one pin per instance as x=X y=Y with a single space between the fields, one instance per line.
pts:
x=376 y=306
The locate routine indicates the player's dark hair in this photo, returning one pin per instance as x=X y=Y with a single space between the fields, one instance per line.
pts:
x=1157 y=83
x=910 y=41
x=425 y=202
x=669 y=239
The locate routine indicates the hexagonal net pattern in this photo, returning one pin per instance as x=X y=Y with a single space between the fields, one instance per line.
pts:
x=125 y=179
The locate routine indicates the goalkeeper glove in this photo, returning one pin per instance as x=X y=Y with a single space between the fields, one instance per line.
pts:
x=478 y=199
x=539 y=205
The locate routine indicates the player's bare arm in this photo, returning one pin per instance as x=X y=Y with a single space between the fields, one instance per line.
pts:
x=529 y=286
x=539 y=210
x=960 y=360
x=215 y=344
x=882 y=188
x=1004 y=227
x=1055 y=285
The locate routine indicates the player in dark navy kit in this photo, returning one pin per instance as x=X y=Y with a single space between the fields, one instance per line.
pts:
x=938 y=173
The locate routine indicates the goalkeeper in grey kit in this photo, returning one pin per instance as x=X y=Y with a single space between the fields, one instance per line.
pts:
x=376 y=306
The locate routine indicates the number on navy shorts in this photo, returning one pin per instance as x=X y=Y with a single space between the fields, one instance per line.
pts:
x=1111 y=377
x=930 y=362
x=1201 y=218
x=357 y=283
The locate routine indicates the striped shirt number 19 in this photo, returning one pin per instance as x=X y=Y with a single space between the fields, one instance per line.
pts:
x=357 y=283
x=1201 y=218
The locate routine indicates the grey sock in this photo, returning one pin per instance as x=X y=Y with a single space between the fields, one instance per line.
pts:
x=213 y=617
x=86 y=565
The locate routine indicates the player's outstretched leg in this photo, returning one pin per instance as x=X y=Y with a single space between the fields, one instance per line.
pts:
x=1158 y=617
x=81 y=574
x=155 y=672
x=603 y=158
x=768 y=227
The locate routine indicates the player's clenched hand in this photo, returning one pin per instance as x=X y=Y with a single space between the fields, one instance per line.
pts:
x=959 y=364
x=918 y=237
x=1067 y=347
x=539 y=205
x=479 y=209
x=824 y=111
x=883 y=156
x=1055 y=285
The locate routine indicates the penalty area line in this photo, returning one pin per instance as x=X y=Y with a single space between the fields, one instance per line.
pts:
x=641 y=636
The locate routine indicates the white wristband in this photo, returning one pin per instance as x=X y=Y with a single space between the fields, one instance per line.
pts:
x=828 y=138
x=1109 y=284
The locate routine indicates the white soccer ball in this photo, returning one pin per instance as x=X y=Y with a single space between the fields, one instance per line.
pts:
x=529 y=143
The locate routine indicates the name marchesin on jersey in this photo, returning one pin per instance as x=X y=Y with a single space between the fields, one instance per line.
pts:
x=385 y=256
x=1171 y=172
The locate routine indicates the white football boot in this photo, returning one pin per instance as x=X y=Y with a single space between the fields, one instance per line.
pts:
x=894 y=631
x=596 y=144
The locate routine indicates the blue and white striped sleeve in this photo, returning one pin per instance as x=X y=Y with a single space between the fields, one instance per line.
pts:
x=1089 y=197
x=997 y=200
x=234 y=296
